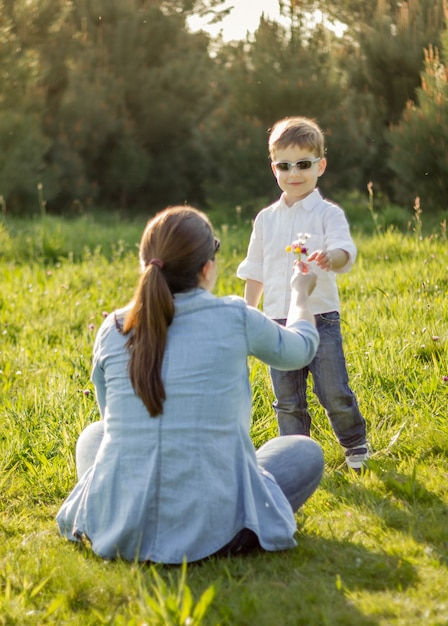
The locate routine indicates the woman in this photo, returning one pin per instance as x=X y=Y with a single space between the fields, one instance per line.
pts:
x=170 y=471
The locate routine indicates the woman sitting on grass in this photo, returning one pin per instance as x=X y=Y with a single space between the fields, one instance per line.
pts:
x=170 y=472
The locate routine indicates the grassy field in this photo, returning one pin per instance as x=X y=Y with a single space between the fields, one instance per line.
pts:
x=372 y=549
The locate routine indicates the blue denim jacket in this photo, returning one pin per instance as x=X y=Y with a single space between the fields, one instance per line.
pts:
x=184 y=483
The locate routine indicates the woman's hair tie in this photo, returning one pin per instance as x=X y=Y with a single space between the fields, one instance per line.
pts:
x=157 y=262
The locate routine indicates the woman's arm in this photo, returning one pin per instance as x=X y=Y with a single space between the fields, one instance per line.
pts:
x=302 y=285
x=292 y=347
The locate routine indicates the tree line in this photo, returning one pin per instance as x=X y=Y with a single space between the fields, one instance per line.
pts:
x=117 y=104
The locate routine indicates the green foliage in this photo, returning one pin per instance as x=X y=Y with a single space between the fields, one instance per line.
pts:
x=21 y=159
x=385 y=68
x=5 y=242
x=279 y=74
x=127 y=116
x=163 y=607
x=419 y=141
x=121 y=89
x=392 y=51
x=119 y=105
x=50 y=240
x=21 y=108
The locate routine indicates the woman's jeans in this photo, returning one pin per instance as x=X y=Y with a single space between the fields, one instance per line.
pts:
x=330 y=384
x=296 y=463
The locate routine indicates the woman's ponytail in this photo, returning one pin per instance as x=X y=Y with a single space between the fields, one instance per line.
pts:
x=151 y=314
x=175 y=246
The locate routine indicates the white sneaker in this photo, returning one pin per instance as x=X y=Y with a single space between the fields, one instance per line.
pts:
x=356 y=458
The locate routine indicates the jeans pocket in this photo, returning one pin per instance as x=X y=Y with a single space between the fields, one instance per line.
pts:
x=332 y=317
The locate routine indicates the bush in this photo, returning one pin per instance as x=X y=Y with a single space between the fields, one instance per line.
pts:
x=419 y=155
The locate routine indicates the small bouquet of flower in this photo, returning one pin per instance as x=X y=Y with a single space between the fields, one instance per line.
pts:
x=298 y=246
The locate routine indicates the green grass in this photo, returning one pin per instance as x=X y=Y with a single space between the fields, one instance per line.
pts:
x=372 y=549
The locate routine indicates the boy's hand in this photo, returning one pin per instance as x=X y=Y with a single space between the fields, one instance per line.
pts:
x=303 y=279
x=322 y=258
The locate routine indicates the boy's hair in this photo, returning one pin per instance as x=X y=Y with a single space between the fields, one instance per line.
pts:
x=296 y=131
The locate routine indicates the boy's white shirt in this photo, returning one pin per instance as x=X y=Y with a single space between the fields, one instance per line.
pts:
x=267 y=261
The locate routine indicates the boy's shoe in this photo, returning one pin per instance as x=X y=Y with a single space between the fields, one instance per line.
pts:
x=356 y=458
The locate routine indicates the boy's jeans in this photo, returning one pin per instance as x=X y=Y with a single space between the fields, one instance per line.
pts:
x=330 y=384
x=297 y=469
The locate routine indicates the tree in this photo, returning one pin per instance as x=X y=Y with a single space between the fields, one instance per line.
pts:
x=118 y=90
x=385 y=61
x=21 y=107
x=277 y=74
x=419 y=141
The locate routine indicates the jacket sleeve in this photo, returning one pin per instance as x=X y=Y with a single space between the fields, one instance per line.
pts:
x=97 y=374
x=283 y=348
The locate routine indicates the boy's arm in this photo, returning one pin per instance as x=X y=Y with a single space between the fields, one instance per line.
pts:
x=252 y=292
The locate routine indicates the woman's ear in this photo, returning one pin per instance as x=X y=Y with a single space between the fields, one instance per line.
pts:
x=207 y=275
x=207 y=268
x=205 y=271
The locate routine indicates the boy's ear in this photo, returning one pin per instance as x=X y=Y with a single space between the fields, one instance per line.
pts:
x=274 y=171
x=322 y=166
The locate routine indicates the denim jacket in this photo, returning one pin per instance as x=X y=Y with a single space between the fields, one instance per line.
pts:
x=184 y=483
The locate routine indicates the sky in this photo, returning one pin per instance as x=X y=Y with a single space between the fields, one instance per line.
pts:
x=245 y=16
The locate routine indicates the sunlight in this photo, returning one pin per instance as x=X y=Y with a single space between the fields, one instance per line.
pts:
x=245 y=17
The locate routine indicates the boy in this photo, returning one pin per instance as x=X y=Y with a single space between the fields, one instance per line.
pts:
x=296 y=148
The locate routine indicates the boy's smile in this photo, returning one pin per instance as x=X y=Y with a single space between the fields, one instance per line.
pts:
x=297 y=183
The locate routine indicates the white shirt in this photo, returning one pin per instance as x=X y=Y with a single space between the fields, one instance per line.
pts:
x=267 y=261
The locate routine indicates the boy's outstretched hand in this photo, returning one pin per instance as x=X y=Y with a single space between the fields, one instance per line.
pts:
x=322 y=258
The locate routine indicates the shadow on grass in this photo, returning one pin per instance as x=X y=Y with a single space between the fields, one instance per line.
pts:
x=403 y=503
x=424 y=516
x=315 y=584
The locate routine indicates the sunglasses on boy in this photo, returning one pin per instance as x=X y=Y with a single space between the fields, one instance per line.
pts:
x=285 y=166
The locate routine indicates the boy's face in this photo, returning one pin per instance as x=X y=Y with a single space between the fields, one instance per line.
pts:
x=297 y=183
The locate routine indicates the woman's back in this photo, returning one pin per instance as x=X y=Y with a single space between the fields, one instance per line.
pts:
x=185 y=482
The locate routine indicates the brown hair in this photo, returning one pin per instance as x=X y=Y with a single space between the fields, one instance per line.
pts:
x=296 y=131
x=174 y=248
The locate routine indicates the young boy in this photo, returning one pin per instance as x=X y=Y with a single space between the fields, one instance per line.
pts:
x=296 y=147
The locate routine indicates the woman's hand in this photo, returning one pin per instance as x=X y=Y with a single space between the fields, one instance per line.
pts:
x=303 y=279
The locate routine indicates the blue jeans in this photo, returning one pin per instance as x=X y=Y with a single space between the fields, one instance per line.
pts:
x=296 y=463
x=330 y=384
